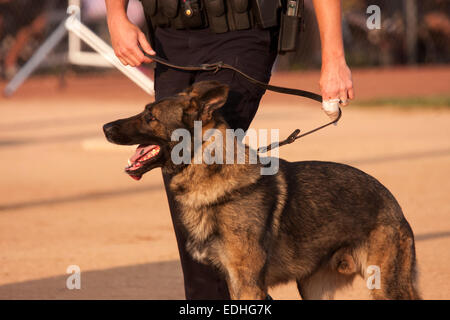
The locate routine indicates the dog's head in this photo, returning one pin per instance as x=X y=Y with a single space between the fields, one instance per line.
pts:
x=152 y=129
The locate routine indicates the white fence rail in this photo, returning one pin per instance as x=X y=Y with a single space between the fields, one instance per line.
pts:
x=102 y=57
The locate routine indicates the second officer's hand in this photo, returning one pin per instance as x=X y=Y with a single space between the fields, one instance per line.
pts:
x=126 y=39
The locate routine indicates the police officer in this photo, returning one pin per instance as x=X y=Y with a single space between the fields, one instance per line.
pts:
x=239 y=33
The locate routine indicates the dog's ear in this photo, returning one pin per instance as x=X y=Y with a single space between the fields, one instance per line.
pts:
x=211 y=96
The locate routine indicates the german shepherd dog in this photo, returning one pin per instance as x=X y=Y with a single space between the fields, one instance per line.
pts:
x=318 y=223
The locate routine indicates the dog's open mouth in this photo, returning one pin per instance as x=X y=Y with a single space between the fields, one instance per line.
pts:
x=144 y=155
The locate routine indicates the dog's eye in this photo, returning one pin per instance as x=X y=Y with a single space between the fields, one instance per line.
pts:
x=149 y=117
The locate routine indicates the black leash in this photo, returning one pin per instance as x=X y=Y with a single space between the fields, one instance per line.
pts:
x=215 y=67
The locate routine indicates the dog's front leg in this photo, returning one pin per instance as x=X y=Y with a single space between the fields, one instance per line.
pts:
x=245 y=289
x=245 y=278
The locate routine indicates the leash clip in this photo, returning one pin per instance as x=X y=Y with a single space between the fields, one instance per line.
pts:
x=292 y=137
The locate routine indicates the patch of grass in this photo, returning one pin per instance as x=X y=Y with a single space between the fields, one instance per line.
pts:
x=408 y=102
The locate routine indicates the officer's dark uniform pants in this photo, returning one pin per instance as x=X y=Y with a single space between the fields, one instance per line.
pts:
x=252 y=51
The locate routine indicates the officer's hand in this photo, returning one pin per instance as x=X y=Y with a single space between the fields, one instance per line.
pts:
x=125 y=39
x=336 y=81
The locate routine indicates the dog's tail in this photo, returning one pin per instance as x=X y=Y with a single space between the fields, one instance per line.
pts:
x=387 y=262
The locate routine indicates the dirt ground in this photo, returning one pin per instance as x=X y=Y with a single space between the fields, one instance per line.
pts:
x=64 y=199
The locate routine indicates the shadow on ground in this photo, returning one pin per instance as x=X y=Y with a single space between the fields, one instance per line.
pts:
x=158 y=280
x=79 y=197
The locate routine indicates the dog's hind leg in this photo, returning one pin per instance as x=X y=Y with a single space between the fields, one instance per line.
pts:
x=323 y=284
x=391 y=257
x=337 y=273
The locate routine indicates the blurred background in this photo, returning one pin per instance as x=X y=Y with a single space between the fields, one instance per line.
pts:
x=412 y=32
x=64 y=199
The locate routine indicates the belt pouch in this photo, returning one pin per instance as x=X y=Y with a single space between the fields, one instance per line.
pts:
x=240 y=14
x=291 y=25
x=149 y=7
x=169 y=8
x=154 y=18
x=215 y=10
x=266 y=12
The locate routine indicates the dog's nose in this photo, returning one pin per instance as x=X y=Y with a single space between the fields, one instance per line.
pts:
x=108 y=128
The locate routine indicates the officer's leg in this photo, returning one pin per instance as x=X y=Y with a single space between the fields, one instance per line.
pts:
x=200 y=281
x=243 y=99
x=203 y=281
x=251 y=51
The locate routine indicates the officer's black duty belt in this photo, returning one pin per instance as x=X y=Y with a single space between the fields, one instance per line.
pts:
x=218 y=15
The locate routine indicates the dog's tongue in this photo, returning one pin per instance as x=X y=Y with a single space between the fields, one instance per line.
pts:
x=141 y=150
